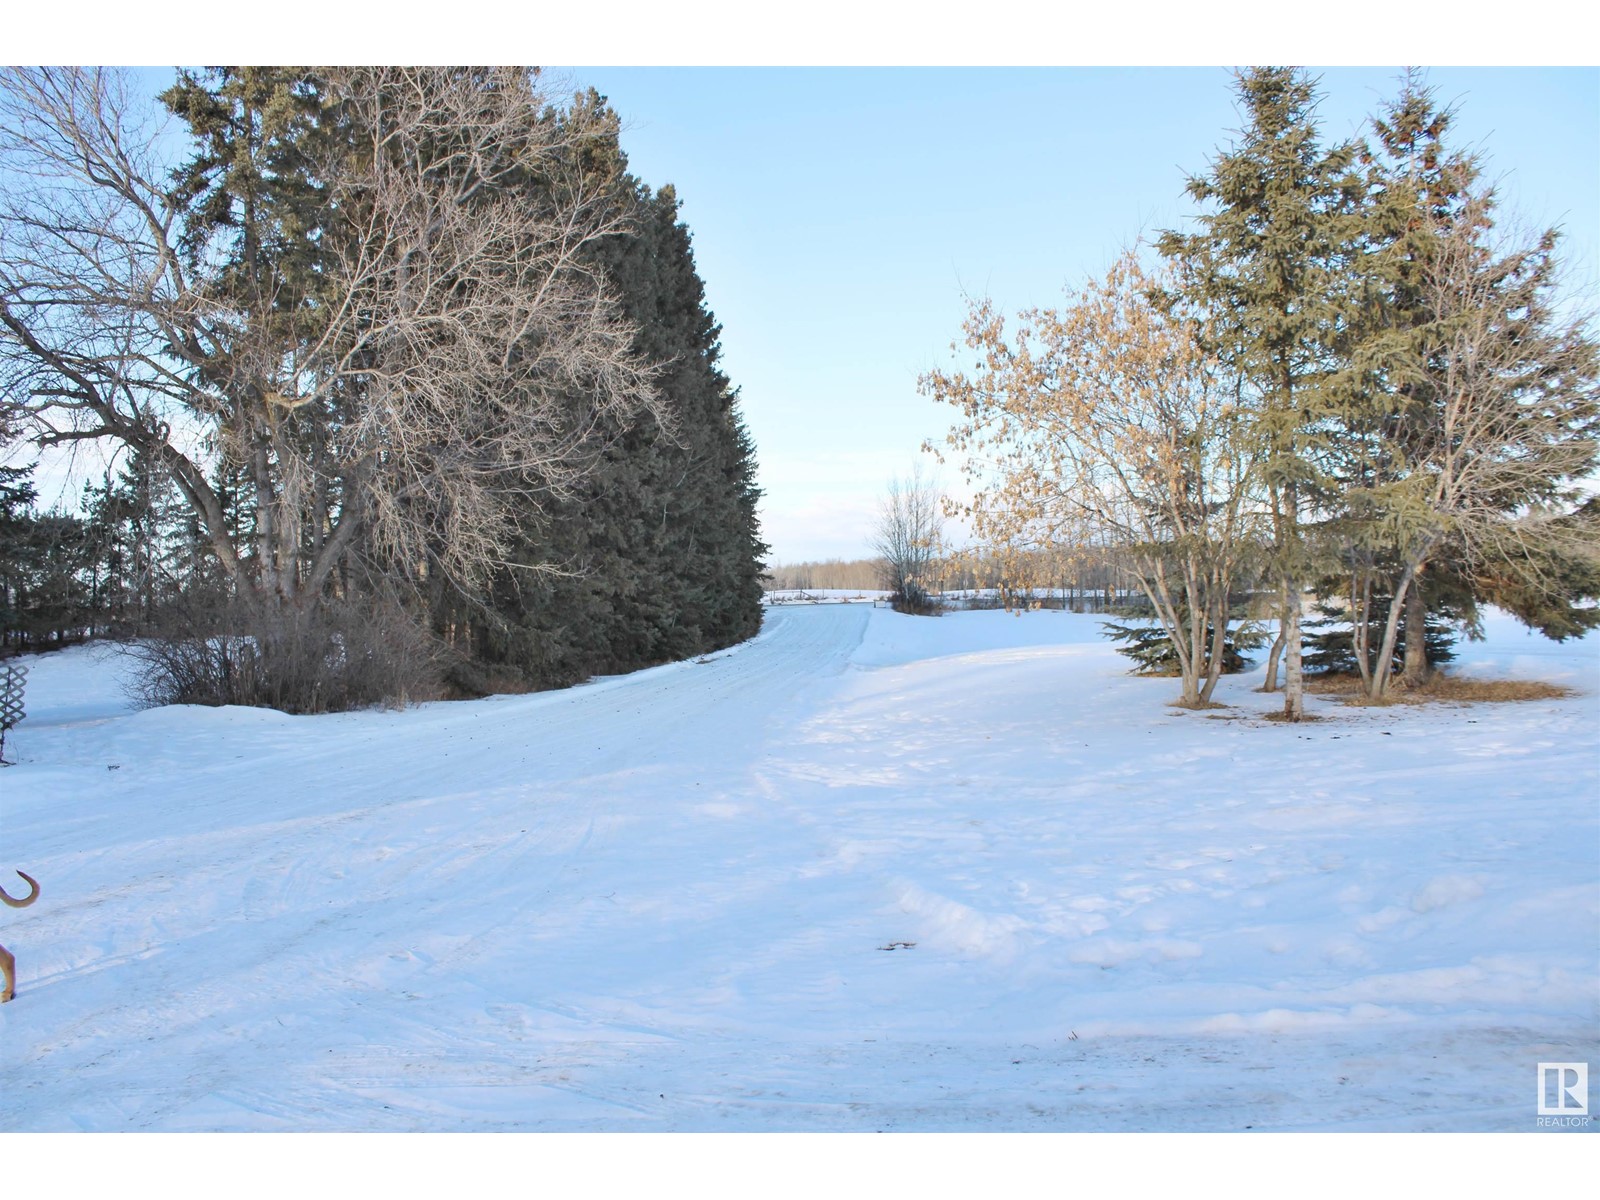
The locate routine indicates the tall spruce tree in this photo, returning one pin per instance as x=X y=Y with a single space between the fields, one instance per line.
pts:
x=1269 y=257
x=703 y=532
x=1416 y=188
x=48 y=569
x=657 y=555
x=17 y=495
x=137 y=528
x=1480 y=399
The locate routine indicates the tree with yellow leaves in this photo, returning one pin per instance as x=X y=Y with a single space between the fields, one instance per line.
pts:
x=1106 y=420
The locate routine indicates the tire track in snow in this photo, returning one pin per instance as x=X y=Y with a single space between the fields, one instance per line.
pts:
x=244 y=908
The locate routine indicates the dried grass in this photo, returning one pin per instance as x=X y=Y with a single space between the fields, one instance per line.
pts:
x=1440 y=688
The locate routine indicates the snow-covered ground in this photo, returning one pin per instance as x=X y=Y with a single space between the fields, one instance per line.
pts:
x=865 y=872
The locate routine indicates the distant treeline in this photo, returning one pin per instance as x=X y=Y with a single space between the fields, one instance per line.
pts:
x=1080 y=572
x=858 y=574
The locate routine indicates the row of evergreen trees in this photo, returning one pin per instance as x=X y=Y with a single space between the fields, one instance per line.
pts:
x=396 y=364
x=111 y=567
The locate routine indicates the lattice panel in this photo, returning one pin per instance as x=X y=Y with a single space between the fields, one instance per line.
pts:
x=12 y=680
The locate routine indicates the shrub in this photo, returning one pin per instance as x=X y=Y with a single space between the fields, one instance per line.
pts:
x=1152 y=652
x=1330 y=647
x=911 y=598
x=322 y=659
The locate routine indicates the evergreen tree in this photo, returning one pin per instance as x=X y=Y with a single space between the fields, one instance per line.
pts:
x=1151 y=649
x=658 y=554
x=369 y=293
x=1478 y=402
x=17 y=495
x=136 y=527
x=1423 y=409
x=1338 y=645
x=1270 y=259
x=47 y=566
x=1553 y=585
x=1415 y=187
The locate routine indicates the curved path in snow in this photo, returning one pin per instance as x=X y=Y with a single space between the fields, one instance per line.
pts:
x=252 y=880
x=859 y=873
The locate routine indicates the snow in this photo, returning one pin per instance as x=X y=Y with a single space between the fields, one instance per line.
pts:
x=864 y=872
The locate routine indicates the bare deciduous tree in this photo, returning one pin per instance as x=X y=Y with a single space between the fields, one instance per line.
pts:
x=1104 y=423
x=908 y=540
x=453 y=355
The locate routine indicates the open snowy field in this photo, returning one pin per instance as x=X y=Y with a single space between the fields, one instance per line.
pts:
x=866 y=872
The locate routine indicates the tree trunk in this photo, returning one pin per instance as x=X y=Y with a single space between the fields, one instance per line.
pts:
x=1218 y=648
x=1276 y=653
x=1416 y=670
x=1361 y=625
x=1378 y=685
x=1294 y=704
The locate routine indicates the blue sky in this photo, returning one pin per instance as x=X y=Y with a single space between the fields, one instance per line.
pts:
x=840 y=216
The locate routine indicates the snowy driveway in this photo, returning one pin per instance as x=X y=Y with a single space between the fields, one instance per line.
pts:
x=864 y=872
